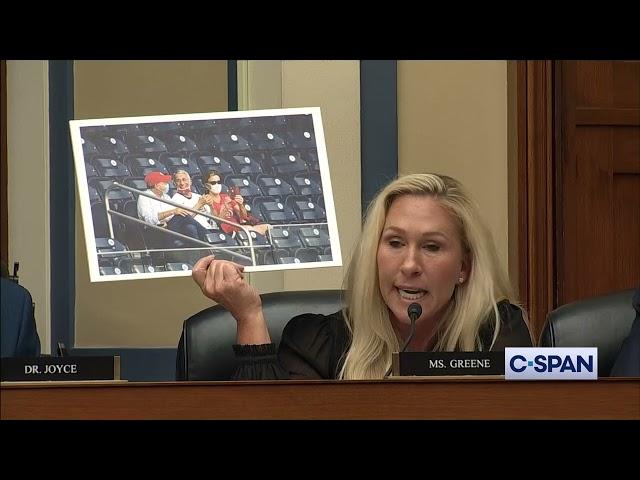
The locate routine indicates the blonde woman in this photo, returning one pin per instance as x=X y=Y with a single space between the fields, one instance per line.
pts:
x=423 y=242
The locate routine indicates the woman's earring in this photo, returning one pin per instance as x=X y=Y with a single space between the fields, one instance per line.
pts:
x=460 y=279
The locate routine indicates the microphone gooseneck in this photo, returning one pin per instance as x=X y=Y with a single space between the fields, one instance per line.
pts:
x=414 y=311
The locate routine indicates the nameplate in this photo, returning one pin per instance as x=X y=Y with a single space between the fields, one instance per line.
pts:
x=60 y=368
x=438 y=364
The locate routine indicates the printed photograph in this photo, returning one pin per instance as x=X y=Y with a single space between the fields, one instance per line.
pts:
x=157 y=193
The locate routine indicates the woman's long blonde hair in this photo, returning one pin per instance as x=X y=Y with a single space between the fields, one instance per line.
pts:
x=372 y=336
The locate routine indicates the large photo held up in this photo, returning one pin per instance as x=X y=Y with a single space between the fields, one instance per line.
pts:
x=159 y=193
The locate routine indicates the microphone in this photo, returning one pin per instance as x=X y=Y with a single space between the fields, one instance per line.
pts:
x=414 y=311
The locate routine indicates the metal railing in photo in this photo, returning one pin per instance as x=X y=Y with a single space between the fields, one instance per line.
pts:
x=206 y=245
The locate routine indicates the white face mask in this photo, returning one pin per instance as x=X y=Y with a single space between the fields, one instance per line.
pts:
x=165 y=188
x=217 y=188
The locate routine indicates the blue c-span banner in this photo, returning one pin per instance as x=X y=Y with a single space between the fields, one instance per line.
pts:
x=551 y=363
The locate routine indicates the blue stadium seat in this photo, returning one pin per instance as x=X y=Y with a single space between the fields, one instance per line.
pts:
x=287 y=164
x=135 y=182
x=245 y=165
x=240 y=126
x=110 y=167
x=122 y=131
x=266 y=141
x=306 y=255
x=178 y=142
x=196 y=185
x=306 y=210
x=90 y=171
x=111 y=270
x=110 y=251
x=138 y=263
x=207 y=161
x=266 y=258
x=178 y=266
x=162 y=128
x=273 y=210
x=270 y=257
x=277 y=124
x=285 y=237
x=300 y=139
x=256 y=238
x=220 y=239
x=99 y=218
x=92 y=131
x=111 y=146
x=201 y=130
x=307 y=184
x=315 y=237
x=248 y=189
x=117 y=196
x=88 y=147
x=255 y=213
x=311 y=159
x=115 y=266
x=94 y=196
x=127 y=231
x=178 y=161
x=145 y=144
x=285 y=256
x=141 y=164
x=106 y=244
x=260 y=243
x=224 y=143
x=274 y=187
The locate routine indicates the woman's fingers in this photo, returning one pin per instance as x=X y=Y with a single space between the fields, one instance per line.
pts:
x=220 y=280
x=199 y=271
x=203 y=263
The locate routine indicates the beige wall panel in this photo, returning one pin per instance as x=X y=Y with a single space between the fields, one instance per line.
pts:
x=334 y=86
x=108 y=88
x=28 y=184
x=452 y=119
x=141 y=313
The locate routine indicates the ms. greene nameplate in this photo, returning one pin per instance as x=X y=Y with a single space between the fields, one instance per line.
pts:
x=448 y=363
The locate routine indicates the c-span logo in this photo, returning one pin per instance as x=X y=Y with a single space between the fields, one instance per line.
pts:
x=551 y=363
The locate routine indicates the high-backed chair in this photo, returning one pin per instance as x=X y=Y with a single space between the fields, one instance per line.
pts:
x=205 y=349
x=19 y=334
x=602 y=322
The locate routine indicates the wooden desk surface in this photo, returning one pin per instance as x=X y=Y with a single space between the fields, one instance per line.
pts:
x=471 y=398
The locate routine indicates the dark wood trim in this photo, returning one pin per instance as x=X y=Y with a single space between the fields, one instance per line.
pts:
x=523 y=231
x=536 y=180
x=4 y=209
x=608 y=116
x=616 y=398
x=560 y=112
